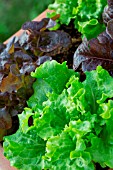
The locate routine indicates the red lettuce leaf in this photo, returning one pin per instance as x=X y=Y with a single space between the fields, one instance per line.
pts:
x=108 y=12
x=18 y=59
x=42 y=25
x=97 y=51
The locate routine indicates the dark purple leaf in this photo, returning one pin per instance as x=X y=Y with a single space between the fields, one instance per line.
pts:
x=23 y=39
x=5 y=119
x=51 y=23
x=2 y=47
x=55 y=41
x=19 y=58
x=42 y=59
x=35 y=25
x=109 y=29
x=97 y=51
x=42 y=25
x=108 y=12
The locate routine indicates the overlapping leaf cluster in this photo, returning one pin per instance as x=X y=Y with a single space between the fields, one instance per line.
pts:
x=108 y=12
x=97 y=51
x=18 y=59
x=86 y=15
x=72 y=121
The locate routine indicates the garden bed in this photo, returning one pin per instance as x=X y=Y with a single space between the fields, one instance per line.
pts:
x=76 y=40
x=87 y=123
x=4 y=163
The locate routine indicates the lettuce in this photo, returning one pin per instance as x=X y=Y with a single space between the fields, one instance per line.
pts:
x=72 y=121
x=86 y=15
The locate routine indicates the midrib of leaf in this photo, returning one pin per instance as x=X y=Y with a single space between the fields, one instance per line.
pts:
x=98 y=58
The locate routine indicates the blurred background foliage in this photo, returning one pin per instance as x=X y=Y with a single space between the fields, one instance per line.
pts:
x=13 y=13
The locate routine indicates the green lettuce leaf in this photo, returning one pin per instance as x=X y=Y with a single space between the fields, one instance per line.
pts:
x=72 y=121
x=41 y=88
x=86 y=15
x=53 y=73
x=25 y=150
x=101 y=152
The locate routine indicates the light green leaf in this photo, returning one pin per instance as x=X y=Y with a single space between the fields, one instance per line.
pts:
x=82 y=158
x=25 y=150
x=86 y=15
x=41 y=88
x=24 y=117
x=53 y=73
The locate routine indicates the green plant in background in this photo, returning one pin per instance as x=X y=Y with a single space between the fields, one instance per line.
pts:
x=86 y=14
x=13 y=14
